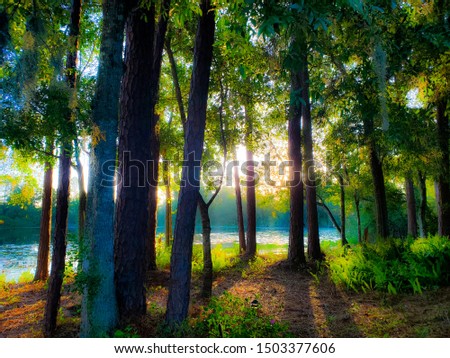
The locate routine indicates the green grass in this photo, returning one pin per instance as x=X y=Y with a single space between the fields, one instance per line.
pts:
x=393 y=266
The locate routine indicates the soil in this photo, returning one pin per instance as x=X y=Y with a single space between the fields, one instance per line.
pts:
x=310 y=304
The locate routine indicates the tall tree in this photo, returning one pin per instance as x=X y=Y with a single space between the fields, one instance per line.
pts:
x=62 y=203
x=309 y=169
x=99 y=307
x=251 y=184
x=296 y=251
x=180 y=263
x=137 y=135
x=46 y=224
x=411 y=207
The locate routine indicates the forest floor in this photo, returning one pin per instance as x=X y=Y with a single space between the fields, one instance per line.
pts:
x=309 y=304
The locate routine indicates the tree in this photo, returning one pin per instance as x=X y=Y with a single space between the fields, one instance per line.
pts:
x=180 y=263
x=46 y=224
x=296 y=251
x=134 y=238
x=99 y=305
x=62 y=203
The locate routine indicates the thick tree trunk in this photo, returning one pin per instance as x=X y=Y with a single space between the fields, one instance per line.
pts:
x=136 y=197
x=314 y=252
x=423 y=205
x=358 y=215
x=342 y=196
x=99 y=306
x=207 y=260
x=379 y=192
x=411 y=207
x=239 y=211
x=168 y=221
x=132 y=205
x=296 y=251
x=443 y=180
x=62 y=202
x=46 y=226
x=180 y=272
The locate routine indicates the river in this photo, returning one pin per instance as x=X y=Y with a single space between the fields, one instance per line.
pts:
x=18 y=247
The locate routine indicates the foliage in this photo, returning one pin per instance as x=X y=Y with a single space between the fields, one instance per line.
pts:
x=394 y=266
x=127 y=332
x=232 y=317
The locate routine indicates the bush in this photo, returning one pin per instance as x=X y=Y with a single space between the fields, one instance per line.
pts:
x=231 y=316
x=394 y=266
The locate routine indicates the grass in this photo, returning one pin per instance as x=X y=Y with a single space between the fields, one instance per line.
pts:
x=393 y=266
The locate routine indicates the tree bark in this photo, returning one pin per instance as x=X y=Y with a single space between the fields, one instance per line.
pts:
x=342 y=197
x=379 y=192
x=99 y=313
x=423 y=205
x=207 y=260
x=296 y=251
x=251 y=189
x=136 y=196
x=62 y=202
x=443 y=180
x=239 y=211
x=314 y=252
x=180 y=273
x=46 y=225
x=411 y=207
x=358 y=215
x=132 y=205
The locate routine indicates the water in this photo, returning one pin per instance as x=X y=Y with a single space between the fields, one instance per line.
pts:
x=18 y=248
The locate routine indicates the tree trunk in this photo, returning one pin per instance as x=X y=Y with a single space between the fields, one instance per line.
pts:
x=251 y=193
x=46 y=225
x=180 y=272
x=207 y=260
x=314 y=252
x=99 y=306
x=423 y=204
x=379 y=192
x=132 y=205
x=342 y=191
x=62 y=202
x=358 y=215
x=411 y=207
x=168 y=221
x=443 y=180
x=136 y=197
x=82 y=198
x=296 y=251
x=176 y=84
x=239 y=211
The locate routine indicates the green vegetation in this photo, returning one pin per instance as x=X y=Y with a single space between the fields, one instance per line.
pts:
x=394 y=266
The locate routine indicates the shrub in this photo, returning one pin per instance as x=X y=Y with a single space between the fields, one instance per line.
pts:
x=393 y=266
x=231 y=316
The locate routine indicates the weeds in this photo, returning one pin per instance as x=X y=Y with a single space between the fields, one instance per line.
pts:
x=393 y=267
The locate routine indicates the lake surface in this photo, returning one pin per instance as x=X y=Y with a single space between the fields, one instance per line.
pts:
x=18 y=248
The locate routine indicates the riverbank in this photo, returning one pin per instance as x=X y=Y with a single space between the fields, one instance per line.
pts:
x=304 y=304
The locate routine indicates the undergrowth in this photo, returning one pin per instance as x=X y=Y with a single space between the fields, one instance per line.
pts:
x=393 y=266
x=229 y=316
